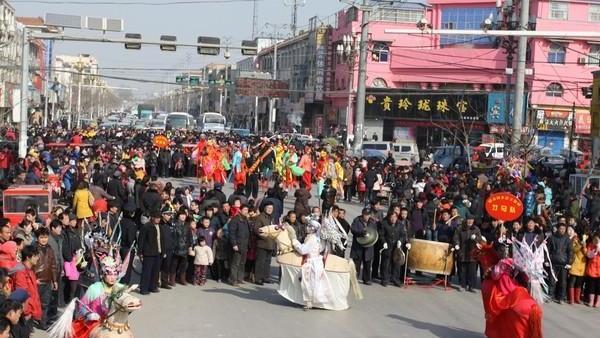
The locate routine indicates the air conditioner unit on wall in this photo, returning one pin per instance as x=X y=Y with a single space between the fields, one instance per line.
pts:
x=581 y=61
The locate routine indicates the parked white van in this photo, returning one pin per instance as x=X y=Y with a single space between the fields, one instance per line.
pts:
x=402 y=151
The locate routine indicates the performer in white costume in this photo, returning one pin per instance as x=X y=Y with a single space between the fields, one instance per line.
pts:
x=315 y=284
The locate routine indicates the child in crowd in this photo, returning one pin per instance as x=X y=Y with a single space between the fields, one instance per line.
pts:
x=220 y=252
x=203 y=257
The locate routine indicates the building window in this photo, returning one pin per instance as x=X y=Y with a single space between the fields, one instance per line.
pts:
x=594 y=56
x=466 y=18
x=381 y=52
x=559 y=10
x=554 y=89
x=594 y=13
x=556 y=54
x=396 y=15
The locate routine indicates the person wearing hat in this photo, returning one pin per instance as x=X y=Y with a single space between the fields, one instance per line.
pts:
x=465 y=240
x=168 y=233
x=362 y=256
x=150 y=244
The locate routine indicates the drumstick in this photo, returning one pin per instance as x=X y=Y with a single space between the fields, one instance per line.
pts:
x=406 y=266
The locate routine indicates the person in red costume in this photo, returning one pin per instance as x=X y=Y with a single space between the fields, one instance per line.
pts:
x=510 y=312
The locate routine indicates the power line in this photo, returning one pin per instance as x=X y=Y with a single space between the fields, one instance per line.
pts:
x=132 y=3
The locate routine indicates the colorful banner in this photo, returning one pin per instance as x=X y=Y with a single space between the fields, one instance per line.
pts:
x=583 y=123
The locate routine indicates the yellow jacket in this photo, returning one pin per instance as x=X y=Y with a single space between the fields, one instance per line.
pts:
x=579 y=259
x=81 y=203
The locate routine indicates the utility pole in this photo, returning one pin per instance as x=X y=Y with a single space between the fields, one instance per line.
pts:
x=272 y=113
x=520 y=81
x=294 y=22
x=362 y=79
x=24 y=123
x=255 y=19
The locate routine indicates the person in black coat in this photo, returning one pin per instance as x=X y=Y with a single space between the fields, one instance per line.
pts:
x=168 y=235
x=129 y=231
x=328 y=196
x=115 y=188
x=370 y=179
x=216 y=194
x=150 y=251
x=561 y=253
x=239 y=237
x=151 y=199
x=465 y=239
x=393 y=236
x=71 y=244
x=360 y=255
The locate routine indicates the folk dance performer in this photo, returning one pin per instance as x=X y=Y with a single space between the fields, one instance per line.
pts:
x=315 y=285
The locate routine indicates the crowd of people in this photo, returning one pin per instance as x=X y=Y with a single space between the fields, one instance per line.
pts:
x=114 y=184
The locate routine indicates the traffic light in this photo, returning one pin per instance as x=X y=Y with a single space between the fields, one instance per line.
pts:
x=209 y=45
x=134 y=41
x=249 y=47
x=168 y=47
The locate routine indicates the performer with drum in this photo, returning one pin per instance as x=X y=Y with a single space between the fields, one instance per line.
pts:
x=364 y=236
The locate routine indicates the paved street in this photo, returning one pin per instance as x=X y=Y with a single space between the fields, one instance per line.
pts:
x=218 y=310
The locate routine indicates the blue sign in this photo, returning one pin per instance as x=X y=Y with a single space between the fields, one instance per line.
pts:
x=496 y=110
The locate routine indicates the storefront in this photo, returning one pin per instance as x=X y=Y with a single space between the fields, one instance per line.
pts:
x=554 y=127
x=431 y=118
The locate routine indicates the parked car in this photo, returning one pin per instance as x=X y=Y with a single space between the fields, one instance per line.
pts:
x=448 y=156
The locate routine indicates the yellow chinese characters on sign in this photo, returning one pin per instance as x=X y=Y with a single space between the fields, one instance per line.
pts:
x=404 y=103
x=462 y=106
x=423 y=105
x=387 y=103
x=442 y=106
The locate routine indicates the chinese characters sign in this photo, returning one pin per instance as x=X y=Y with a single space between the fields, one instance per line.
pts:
x=426 y=106
x=554 y=120
x=504 y=206
x=583 y=123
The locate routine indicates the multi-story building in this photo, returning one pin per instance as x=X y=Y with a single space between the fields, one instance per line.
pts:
x=73 y=72
x=10 y=54
x=424 y=86
x=302 y=63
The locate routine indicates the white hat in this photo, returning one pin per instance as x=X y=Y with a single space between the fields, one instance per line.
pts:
x=71 y=162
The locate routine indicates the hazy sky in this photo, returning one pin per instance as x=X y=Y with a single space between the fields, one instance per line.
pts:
x=186 y=21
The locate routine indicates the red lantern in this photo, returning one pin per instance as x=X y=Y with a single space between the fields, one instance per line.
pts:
x=504 y=206
x=160 y=141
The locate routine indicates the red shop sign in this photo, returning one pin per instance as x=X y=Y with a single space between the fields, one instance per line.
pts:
x=504 y=206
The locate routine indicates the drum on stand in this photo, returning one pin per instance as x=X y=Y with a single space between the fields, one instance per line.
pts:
x=431 y=257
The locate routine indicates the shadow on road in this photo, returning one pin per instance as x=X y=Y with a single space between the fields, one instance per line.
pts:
x=438 y=330
x=260 y=294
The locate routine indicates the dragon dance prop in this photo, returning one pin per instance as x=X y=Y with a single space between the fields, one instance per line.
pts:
x=262 y=157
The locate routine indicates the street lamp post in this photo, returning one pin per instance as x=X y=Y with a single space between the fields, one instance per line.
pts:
x=348 y=50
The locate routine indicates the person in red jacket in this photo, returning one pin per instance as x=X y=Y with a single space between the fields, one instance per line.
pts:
x=5 y=161
x=24 y=277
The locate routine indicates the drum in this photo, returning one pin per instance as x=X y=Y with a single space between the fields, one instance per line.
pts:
x=432 y=257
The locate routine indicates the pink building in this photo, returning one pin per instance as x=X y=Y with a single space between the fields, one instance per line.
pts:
x=419 y=83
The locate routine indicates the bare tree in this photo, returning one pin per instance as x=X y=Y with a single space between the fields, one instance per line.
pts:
x=461 y=129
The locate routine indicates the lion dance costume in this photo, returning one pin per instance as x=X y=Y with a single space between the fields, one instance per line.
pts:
x=510 y=312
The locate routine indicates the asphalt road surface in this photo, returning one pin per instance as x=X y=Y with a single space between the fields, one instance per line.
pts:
x=219 y=310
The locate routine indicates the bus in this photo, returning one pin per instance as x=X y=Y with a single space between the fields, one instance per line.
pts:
x=212 y=122
x=145 y=111
x=176 y=120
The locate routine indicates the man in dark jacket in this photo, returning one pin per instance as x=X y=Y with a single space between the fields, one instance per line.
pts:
x=265 y=247
x=116 y=189
x=274 y=200
x=183 y=243
x=167 y=235
x=301 y=206
x=328 y=196
x=164 y=158
x=216 y=194
x=71 y=244
x=561 y=253
x=370 y=179
x=465 y=239
x=419 y=221
x=129 y=230
x=393 y=235
x=239 y=194
x=150 y=250
x=151 y=200
x=239 y=236
x=362 y=256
